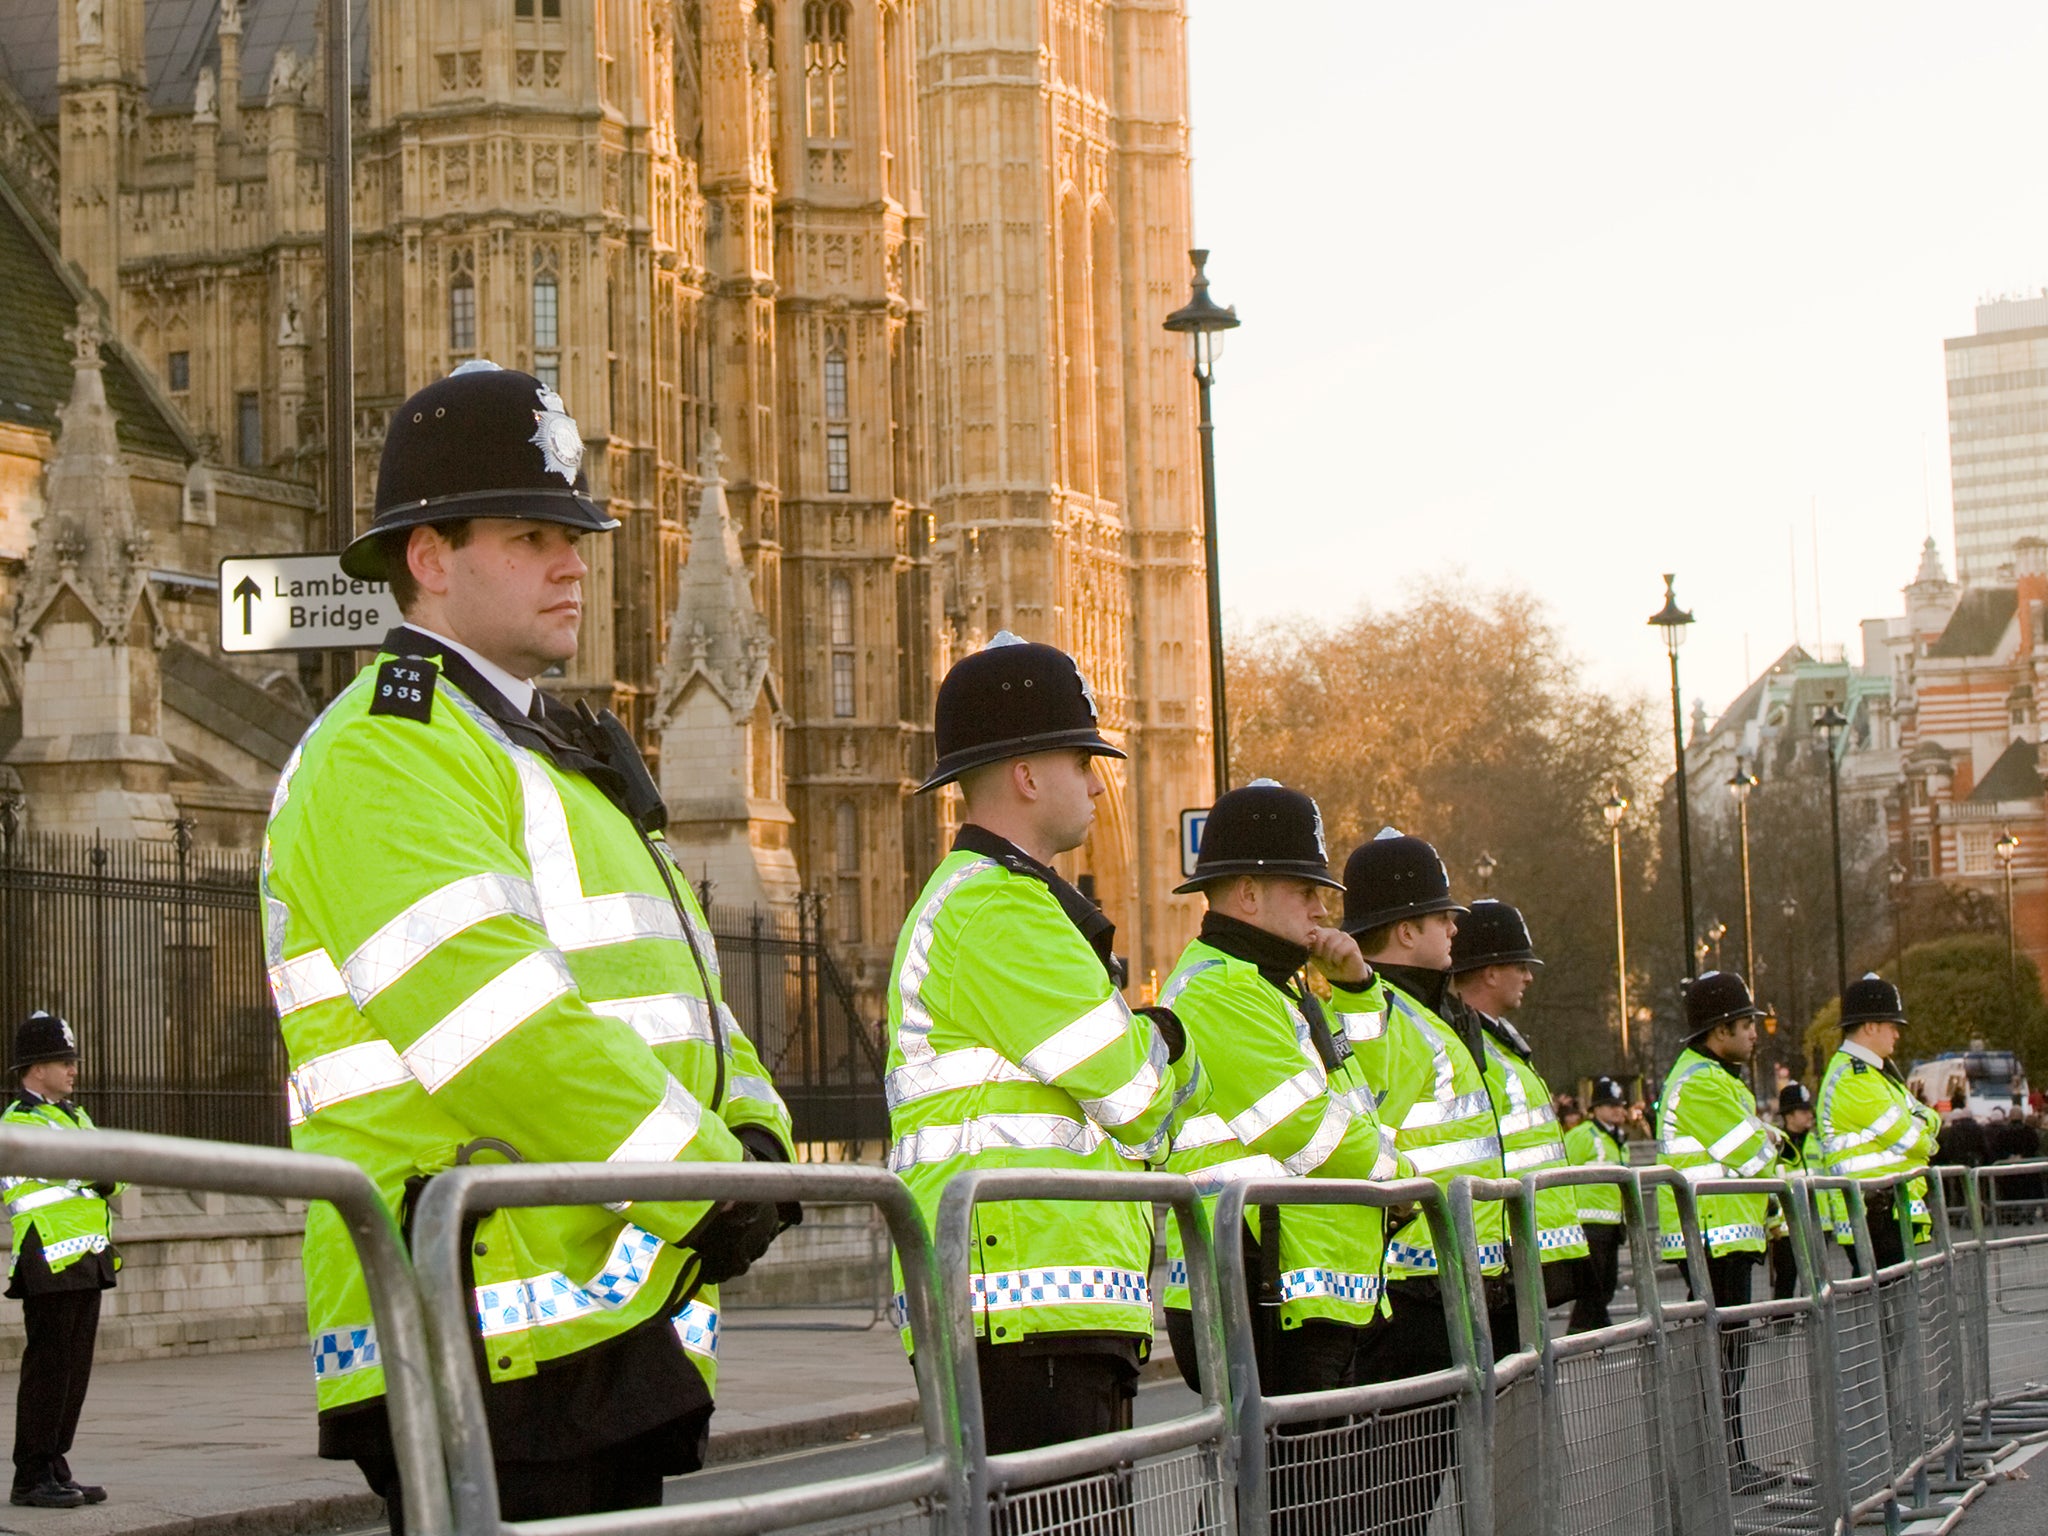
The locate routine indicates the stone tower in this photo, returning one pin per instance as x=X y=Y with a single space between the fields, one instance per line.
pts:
x=1065 y=483
x=720 y=719
x=92 y=755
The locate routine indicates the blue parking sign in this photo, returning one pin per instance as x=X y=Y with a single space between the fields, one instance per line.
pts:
x=1191 y=824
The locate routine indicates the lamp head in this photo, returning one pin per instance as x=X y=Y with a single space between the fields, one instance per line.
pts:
x=1615 y=808
x=1741 y=782
x=1202 y=320
x=1671 y=618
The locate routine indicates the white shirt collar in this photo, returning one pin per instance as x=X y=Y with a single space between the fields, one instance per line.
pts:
x=1863 y=1052
x=518 y=691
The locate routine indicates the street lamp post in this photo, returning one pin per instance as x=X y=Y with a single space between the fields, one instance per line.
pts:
x=1673 y=620
x=1484 y=869
x=1739 y=785
x=1614 y=810
x=1831 y=722
x=1716 y=932
x=1203 y=321
x=1789 y=909
x=2008 y=848
x=1895 y=876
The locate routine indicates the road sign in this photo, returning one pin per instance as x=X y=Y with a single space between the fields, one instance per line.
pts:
x=1191 y=824
x=300 y=603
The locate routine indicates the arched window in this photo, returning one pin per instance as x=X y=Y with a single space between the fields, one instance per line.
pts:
x=547 y=324
x=835 y=384
x=826 y=26
x=846 y=867
x=462 y=314
x=839 y=632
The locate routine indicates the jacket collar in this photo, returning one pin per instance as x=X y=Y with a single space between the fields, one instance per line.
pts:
x=518 y=691
x=1862 y=1052
x=1276 y=958
x=1425 y=986
x=1089 y=919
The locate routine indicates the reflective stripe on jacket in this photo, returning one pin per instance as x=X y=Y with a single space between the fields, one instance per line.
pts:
x=1590 y=1142
x=1433 y=1093
x=68 y=1215
x=1708 y=1128
x=1274 y=1111
x=1530 y=1142
x=1869 y=1126
x=1009 y=1048
x=468 y=942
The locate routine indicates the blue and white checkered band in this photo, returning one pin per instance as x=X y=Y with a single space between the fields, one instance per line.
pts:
x=1301 y=1284
x=1573 y=1236
x=899 y=1311
x=697 y=1327
x=1672 y=1244
x=554 y=1298
x=338 y=1351
x=1083 y=1286
x=557 y=436
x=1176 y=1272
x=1408 y=1256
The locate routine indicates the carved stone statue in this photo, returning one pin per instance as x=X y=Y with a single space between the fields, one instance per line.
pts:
x=204 y=96
x=291 y=331
x=231 y=15
x=89 y=20
x=285 y=78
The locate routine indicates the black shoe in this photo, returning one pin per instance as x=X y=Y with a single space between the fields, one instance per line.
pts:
x=1748 y=1477
x=49 y=1494
x=94 y=1493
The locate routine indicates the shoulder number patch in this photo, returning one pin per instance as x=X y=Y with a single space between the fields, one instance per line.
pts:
x=405 y=688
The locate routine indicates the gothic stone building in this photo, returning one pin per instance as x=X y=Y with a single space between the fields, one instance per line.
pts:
x=908 y=260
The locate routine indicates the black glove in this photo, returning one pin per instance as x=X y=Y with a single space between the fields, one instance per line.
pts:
x=1170 y=1028
x=104 y=1191
x=729 y=1241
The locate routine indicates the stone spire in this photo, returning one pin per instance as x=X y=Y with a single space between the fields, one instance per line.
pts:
x=91 y=756
x=1931 y=597
x=1931 y=568
x=719 y=712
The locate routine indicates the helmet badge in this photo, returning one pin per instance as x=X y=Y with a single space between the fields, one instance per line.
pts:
x=557 y=437
x=1087 y=693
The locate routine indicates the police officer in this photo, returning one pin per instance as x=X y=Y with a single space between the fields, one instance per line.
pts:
x=1011 y=1047
x=1800 y=1154
x=1598 y=1140
x=64 y=1257
x=1398 y=905
x=1870 y=1126
x=1708 y=1128
x=1493 y=961
x=480 y=946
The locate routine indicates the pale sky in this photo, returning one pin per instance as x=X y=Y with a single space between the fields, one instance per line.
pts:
x=1568 y=295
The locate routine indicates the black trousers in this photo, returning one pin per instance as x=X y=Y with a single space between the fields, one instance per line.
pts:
x=1887 y=1243
x=1595 y=1277
x=1784 y=1269
x=1731 y=1275
x=623 y=1476
x=56 y=1367
x=1029 y=1400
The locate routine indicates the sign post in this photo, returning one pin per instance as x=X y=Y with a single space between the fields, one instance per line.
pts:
x=300 y=603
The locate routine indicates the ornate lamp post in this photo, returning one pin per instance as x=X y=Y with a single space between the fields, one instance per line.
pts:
x=1789 y=910
x=2008 y=848
x=1716 y=932
x=1484 y=869
x=1614 y=810
x=1895 y=877
x=1740 y=783
x=1831 y=722
x=1673 y=620
x=1203 y=321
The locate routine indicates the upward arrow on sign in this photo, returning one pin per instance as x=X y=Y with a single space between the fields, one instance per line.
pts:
x=250 y=594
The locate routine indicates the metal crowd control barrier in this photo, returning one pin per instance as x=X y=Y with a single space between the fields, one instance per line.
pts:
x=920 y=1495
x=1777 y=1381
x=1698 y=1458
x=2009 y=1215
x=1393 y=1457
x=1603 y=1461
x=1169 y=1479
x=400 y=1341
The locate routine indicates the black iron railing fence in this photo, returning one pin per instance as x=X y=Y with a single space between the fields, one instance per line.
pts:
x=154 y=952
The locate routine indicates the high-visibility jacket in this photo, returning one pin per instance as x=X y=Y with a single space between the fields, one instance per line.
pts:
x=1434 y=1095
x=1277 y=1108
x=1590 y=1142
x=68 y=1216
x=1009 y=1048
x=1529 y=1138
x=1833 y=1206
x=469 y=944
x=1870 y=1125
x=1708 y=1128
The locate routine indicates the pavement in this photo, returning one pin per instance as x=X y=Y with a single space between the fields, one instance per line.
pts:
x=223 y=1445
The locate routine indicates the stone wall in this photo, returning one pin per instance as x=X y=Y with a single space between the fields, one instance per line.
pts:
x=212 y=1274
